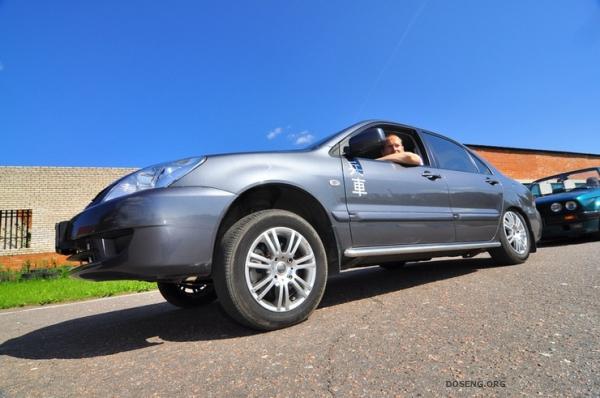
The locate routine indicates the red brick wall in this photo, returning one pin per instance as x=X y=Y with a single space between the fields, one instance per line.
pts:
x=37 y=260
x=533 y=165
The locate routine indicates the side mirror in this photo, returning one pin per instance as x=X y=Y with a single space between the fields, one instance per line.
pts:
x=367 y=144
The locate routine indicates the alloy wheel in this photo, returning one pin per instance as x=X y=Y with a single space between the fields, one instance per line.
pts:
x=516 y=232
x=195 y=289
x=280 y=269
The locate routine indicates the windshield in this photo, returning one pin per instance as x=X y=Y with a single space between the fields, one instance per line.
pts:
x=579 y=180
x=322 y=141
x=329 y=137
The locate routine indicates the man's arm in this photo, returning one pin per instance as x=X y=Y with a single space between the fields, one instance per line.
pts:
x=404 y=158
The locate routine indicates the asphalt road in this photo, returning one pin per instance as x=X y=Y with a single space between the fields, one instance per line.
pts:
x=526 y=330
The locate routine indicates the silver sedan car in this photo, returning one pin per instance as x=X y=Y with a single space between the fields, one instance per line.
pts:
x=263 y=231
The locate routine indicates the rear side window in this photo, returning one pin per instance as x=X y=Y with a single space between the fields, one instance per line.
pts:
x=449 y=155
x=483 y=169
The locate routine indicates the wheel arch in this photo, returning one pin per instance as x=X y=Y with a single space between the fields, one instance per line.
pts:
x=284 y=196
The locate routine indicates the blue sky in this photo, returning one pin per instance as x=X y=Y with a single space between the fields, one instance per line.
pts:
x=131 y=83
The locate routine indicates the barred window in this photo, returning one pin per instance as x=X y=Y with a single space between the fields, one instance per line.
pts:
x=15 y=229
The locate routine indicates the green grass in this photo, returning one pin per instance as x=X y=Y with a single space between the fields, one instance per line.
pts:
x=17 y=293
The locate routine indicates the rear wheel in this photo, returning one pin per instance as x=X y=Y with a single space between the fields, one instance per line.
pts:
x=187 y=295
x=515 y=238
x=270 y=270
x=596 y=235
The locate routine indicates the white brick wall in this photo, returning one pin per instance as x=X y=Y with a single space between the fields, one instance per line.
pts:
x=54 y=194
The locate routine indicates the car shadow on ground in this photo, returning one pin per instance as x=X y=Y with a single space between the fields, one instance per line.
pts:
x=568 y=241
x=144 y=326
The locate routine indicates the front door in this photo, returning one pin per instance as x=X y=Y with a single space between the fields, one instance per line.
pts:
x=394 y=205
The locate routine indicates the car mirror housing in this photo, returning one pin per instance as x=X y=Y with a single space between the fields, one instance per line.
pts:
x=366 y=143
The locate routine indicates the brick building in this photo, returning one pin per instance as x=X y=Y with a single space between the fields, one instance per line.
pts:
x=33 y=199
x=526 y=165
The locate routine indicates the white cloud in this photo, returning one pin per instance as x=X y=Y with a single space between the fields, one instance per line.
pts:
x=302 y=138
x=274 y=133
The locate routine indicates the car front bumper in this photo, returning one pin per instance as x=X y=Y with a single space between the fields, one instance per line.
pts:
x=163 y=234
x=584 y=223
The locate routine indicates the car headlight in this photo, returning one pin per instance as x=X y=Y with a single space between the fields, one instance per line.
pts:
x=158 y=176
x=571 y=205
x=556 y=207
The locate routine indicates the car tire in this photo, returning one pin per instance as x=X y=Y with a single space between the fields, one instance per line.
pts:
x=596 y=235
x=187 y=295
x=515 y=238
x=266 y=283
x=393 y=266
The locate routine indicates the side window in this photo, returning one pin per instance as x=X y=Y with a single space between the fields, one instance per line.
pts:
x=483 y=169
x=408 y=138
x=411 y=143
x=449 y=155
x=535 y=190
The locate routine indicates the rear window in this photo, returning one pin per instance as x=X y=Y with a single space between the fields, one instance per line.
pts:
x=483 y=169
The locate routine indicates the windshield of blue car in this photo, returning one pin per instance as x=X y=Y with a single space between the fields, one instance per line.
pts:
x=580 y=180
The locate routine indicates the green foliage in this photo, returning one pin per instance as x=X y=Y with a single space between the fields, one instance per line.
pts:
x=26 y=266
x=17 y=293
x=26 y=273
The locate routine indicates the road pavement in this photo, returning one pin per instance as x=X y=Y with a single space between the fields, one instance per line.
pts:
x=451 y=327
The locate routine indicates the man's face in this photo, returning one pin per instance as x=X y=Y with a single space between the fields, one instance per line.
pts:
x=393 y=144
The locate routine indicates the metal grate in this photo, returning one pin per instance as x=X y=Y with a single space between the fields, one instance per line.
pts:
x=15 y=229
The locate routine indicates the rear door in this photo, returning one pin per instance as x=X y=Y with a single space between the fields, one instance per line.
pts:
x=476 y=196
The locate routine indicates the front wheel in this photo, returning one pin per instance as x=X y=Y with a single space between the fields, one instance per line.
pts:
x=270 y=270
x=515 y=239
x=187 y=295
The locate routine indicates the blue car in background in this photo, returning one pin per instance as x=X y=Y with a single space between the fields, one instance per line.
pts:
x=569 y=203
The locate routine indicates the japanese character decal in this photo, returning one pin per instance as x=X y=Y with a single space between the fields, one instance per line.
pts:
x=358 y=182
x=359 y=186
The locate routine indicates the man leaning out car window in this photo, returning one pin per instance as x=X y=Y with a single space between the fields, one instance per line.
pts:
x=393 y=150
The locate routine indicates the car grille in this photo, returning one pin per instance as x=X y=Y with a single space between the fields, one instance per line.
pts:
x=89 y=250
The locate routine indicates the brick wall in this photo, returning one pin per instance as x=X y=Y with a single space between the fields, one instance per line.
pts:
x=54 y=194
x=34 y=261
x=530 y=165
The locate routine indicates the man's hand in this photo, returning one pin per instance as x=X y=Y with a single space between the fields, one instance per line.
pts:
x=403 y=158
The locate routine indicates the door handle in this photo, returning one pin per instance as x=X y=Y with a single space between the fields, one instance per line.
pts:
x=491 y=182
x=430 y=176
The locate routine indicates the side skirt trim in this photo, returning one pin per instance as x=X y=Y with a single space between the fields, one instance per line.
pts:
x=415 y=249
